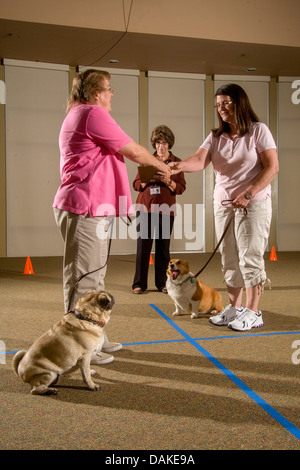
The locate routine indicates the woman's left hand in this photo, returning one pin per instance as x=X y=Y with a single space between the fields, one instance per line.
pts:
x=241 y=201
x=163 y=178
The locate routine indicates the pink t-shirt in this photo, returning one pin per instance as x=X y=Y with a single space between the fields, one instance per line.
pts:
x=237 y=163
x=93 y=174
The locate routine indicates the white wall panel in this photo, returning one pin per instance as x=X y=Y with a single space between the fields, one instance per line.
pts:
x=257 y=89
x=289 y=162
x=36 y=96
x=125 y=111
x=177 y=100
x=35 y=107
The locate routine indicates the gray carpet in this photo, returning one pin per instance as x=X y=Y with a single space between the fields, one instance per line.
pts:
x=177 y=384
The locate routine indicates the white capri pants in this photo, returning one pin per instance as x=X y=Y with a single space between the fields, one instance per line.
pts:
x=244 y=245
x=86 y=249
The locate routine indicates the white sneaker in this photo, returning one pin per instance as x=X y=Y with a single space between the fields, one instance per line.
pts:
x=111 y=347
x=227 y=315
x=101 y=358
x=246 y=320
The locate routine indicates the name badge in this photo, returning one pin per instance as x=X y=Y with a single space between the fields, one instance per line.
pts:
x=155 y=190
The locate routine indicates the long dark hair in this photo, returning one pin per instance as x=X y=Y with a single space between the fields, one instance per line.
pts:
x=244 y=114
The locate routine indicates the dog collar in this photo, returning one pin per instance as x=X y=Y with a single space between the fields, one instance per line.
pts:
x=189 y=278
x=81 y=317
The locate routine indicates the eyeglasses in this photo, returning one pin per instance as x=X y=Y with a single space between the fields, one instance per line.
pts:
x=161 y=143
x=109 y=89
x=223 y=104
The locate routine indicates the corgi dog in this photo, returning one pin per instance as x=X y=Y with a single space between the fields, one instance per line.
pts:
x=189 y=294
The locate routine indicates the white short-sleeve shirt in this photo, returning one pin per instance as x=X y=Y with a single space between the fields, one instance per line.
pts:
x=237 y=163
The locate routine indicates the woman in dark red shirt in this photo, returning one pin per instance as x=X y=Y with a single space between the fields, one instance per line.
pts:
x=156 y=209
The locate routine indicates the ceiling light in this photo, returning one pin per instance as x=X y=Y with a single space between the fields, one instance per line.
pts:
x=113 y=61
x=250 y=69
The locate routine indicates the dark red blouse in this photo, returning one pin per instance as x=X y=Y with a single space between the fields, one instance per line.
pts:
x=166 y=196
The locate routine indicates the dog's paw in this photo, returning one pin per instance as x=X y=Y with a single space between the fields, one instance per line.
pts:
x=43 y=390
x=176 y=314
x=95 y=388
x=93 y=373
x=194 y=315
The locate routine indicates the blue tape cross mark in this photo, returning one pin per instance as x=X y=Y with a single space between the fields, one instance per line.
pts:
x=208 y=338
x=262 y=403
x=204 y=338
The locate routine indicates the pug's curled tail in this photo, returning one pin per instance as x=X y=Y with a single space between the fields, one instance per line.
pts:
x=17 y=359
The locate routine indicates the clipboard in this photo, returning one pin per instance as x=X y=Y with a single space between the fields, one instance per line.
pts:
x=146 y=173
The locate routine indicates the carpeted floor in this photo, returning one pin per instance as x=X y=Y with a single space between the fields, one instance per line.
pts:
x=177 y=384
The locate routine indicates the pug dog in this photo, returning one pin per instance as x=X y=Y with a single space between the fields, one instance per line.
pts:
x=67 y=346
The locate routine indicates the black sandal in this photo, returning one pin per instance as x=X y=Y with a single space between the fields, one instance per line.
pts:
x=137 y=290
x=163 y=290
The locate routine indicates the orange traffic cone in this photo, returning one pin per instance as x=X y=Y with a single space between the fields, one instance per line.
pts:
x=273 y=256
x=28 y=266
x=151 y=259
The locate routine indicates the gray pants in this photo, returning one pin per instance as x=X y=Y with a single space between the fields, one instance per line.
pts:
x=242 y=250
x=85 y=250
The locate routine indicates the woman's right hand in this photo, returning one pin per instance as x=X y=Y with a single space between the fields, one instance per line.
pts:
x=163 y=169
x=175 y=167
x=142 y=156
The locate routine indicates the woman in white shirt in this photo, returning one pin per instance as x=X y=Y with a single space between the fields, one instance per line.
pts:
x=243 y=153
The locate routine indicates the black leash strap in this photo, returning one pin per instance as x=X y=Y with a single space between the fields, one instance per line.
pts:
x=220 y=241
x=95 y=270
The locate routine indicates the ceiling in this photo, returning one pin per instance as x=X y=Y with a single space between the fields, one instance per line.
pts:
x=95 y=47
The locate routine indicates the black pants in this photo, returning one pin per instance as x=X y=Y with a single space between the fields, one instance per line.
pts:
x=152 y=226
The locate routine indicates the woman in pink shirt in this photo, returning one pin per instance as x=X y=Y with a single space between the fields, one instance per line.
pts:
x=243 y=153
x=94 y=187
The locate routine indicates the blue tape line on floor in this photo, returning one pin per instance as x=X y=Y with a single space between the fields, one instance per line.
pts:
x=271 y=411
x=210 y=338
x=204 y=338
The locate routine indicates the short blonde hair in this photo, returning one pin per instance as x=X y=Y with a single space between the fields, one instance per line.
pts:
x=85 y=85
x=162 y=132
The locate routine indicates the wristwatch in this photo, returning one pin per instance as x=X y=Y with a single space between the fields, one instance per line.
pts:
x=247 y=195
x=170 y=185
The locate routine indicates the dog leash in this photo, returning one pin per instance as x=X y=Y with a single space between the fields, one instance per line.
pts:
x=95 y=270
x=128 y=223
x=220 y=241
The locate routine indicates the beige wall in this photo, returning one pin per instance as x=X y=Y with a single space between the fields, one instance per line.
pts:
x=31 y=157
x=245 y=21
x=32 y=123
x=3 y=240
x=262 y=19
x=289 y=158
x=177 y=100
